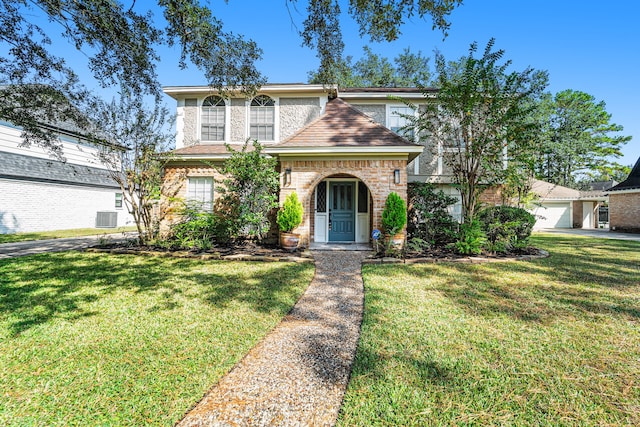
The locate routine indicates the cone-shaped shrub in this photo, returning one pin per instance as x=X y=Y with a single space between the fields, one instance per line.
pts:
x=394 y=215
x=290 y=216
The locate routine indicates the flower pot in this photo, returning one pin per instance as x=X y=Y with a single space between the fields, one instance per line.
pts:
x=397 y=240
x=289 y=241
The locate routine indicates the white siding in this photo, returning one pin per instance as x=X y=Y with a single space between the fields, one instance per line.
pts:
x=74 y=152
x=33 y=206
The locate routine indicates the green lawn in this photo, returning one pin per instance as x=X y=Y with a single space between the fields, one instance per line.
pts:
x=548 y=342
x=94 y=339
x=59 y=234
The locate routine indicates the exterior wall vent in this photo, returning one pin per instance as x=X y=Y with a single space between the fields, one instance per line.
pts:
x=106 y=219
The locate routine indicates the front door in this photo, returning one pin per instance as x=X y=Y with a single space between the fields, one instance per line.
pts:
x=342 y=224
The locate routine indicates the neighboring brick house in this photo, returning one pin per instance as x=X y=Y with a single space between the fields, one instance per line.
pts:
x=40 y=193
x=338 y=149
x=624 y=203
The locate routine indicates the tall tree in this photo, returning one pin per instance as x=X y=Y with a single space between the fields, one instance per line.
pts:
x=480 y=119
x=372 y=70
x=578 y=138
x=142 y=132
x=121 y=40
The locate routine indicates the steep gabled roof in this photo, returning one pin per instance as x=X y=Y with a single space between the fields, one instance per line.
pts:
x=342 y=129
x=632 y=182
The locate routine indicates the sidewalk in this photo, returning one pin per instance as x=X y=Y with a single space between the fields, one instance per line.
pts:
x=298 y=374
x=31 y=247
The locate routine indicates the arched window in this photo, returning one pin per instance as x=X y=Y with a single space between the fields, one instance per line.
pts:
x=262 y=118
x=212 y=121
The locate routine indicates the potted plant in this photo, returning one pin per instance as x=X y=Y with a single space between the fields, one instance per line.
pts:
x=394 y=218
x=289 y=217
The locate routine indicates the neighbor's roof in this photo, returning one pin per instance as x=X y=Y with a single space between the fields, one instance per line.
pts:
x=342 y=128
x=548 y=191
x=28 y=168
x=632 y=182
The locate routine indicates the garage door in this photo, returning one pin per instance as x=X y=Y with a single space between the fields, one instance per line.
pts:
x=553 y=215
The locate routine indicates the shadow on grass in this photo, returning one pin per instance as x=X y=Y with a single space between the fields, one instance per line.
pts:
x=581 y=278
x=37 y=289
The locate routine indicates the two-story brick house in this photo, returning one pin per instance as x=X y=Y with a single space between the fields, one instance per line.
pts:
x=338 y=149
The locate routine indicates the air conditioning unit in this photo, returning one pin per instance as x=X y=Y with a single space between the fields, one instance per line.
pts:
x=106 y=219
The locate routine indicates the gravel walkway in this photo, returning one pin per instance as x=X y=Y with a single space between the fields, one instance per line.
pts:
x=298 y=374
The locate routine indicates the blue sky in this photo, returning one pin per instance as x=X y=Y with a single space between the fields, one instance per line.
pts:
x=586 y=45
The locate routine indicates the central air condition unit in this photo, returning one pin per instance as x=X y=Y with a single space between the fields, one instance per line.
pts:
x=106 y=219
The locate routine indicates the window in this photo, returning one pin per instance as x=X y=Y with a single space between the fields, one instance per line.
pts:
x=212 y=120
x=200 y=190
x=398 y=121
x=119 y=200
x=262 y=118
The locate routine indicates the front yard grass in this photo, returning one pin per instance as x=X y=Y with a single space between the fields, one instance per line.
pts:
x=94 y=339
x=60 y=234
x=553 y=341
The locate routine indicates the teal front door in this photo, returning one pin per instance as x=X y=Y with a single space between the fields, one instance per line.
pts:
x=342 y=224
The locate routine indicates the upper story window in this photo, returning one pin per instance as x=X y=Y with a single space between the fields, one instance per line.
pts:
x=398 y=121
x=262 y=118
x=213 y=119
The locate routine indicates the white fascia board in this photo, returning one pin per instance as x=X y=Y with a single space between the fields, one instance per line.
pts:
x=181 y=91
x=412 y=152
x=632 y=190
x=383 y=95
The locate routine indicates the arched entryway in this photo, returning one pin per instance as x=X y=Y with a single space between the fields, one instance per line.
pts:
x=341 y=206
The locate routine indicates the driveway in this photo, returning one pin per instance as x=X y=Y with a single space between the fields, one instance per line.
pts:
x=598 y=233
x=31 y=247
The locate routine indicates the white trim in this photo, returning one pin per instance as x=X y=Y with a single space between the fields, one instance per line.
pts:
x=276 y=118
x=177 y=91
x=180 y=124
x=346 y=150
x=227 y=121
x=356 y=215
x=632 y=190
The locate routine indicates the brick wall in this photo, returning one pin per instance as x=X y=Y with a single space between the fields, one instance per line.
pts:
x=624 y=212
x=174 y=188
x=377 y=175
x=27 y=206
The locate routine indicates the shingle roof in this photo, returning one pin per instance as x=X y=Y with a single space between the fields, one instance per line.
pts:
x=632 y=182
x=547 y=190
x=28 y=168
x=344 y=126
x=207 y=149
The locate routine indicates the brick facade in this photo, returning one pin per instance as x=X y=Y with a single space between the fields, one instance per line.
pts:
x=624 y=211
x=377 y=175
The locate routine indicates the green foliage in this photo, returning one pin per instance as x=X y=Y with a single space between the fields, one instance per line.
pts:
x=429 y=223
x=394 y=215
x=321 y=29
x=140 y=135
x=471 y=239
x=481 y=114
x=249 y=191
x=120 y=42
x=196 y=230
x=506 y=227
x=578 y=138
x=290 y=216
x=372 y=70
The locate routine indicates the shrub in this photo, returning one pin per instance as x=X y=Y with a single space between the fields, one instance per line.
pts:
x=428 y=217
x=196 y=231
x=290 y=216
x=471 y=239
x=394 y=215
x=249 y=189
x=507 y=227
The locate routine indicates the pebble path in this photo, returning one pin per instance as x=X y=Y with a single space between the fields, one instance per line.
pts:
x=297 y=375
